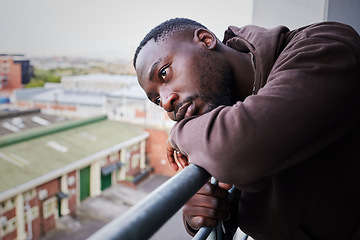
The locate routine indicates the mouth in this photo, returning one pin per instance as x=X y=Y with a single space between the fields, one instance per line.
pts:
x=186 y=110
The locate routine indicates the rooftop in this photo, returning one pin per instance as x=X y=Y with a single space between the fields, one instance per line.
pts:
x=66 y=144
x=12 y=121
x=132 y=91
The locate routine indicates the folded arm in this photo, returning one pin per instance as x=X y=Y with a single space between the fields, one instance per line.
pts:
x=310 y=100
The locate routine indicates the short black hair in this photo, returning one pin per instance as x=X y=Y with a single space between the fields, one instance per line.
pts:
x=166 y=29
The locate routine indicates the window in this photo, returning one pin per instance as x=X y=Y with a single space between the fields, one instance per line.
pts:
x=7 y=205
x=114 y=157
x=34 y=214
x=135 y=160
x=8 y=227
x=103 y=162
x=71 y=180
x=2 y=208
x=50 y=207
x=135 y=148
x=29 y=194
x=127 y=160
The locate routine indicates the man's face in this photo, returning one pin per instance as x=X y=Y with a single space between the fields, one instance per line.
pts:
x=183 y=77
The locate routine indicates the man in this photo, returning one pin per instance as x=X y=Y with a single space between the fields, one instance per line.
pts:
x=273 y=112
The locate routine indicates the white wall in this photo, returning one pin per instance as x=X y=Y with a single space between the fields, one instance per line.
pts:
x=346 y=11
x=297 y=13
x=291 y=13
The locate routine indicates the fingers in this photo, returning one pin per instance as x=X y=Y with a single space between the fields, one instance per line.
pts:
x=213 y=190
x=170 y=156
x=225 y=186
x=180 y=158
x=198 y=222
x=198 y=217
x=203 y=213
x=171 y=159
x=207 y=207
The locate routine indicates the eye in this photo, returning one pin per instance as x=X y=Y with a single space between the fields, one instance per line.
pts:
x=157 y=100
x=164 y=72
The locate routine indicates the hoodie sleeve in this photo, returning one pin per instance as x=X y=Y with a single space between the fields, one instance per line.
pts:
x=309 y=101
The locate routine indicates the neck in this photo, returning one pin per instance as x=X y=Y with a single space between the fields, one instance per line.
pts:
x=243 y=72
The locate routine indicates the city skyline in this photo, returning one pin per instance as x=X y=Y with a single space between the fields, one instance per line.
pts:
x=107 y=29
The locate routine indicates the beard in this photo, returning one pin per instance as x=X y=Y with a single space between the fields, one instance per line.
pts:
x=215 y=81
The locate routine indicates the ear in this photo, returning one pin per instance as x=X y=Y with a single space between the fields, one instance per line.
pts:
x=206 y=37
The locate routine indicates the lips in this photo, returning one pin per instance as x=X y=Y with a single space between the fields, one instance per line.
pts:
x=186 y=110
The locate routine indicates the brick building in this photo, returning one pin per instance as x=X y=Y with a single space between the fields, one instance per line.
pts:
x=15 y=70
x=156 y=152
x=47 y=171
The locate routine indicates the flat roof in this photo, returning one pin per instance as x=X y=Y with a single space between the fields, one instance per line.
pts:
x=62 y=96
x=12 y=121
x=25 y=161
x=131 y=91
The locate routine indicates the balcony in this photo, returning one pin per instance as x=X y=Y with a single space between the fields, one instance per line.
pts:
x=158 y=207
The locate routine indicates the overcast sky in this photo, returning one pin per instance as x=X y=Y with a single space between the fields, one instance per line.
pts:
x=103 y=28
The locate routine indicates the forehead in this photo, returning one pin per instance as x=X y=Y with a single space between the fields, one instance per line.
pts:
x=148 y=55
x=151 y=53
x=154 y=52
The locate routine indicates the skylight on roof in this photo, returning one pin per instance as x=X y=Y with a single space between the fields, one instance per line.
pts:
x=40 y=121
x=10 y=127
x=18 y=122
x=56 y=146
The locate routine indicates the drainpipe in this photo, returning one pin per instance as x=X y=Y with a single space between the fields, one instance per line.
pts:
x=27 y=208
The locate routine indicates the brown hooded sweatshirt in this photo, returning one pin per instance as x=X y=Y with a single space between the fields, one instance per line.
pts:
x=293 y=148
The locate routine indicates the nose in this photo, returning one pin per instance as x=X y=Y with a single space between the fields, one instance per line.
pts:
x=168 y=102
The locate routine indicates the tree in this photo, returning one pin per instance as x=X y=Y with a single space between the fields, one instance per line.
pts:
x=41 y=77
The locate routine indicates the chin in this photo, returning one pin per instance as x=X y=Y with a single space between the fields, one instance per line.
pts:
x=208 y=108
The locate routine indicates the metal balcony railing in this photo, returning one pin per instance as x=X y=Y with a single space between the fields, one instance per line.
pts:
x=145 y=218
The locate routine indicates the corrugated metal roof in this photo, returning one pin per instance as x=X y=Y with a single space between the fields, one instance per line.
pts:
x=16 y=121
x=94 y=92
x=62 y=96
x=73 y=97
x=28 y=93
x=132 y=91
x=25 y=161
x=128 y=79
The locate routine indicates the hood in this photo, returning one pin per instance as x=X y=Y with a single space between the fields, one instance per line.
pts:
x=265 y=44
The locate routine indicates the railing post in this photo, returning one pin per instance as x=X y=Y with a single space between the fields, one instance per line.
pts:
x=145 y=218
x=203 y=233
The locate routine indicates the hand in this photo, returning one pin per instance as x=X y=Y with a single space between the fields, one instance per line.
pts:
x=181 y=158
x=209 y=205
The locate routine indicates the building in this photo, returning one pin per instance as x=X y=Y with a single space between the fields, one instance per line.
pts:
x=121 y=99
x=75 y=96
x=97 y=82
x=61 y=102
x=46 y=171
x=15 y=70
x=294 y=14
x=13 y=121
x=130 y=104
x=118 y=96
